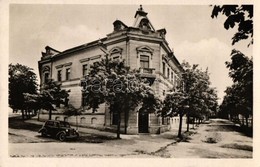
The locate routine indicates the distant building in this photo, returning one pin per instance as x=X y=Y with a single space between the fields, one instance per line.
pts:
x=141 y=46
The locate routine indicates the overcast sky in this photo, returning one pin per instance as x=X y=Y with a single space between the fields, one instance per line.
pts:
x=191 y=32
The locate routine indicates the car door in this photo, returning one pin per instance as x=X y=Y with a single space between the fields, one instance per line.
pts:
x=56 y=128
x=48 y=126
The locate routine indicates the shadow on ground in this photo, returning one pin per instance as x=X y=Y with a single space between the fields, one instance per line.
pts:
x=18 y=123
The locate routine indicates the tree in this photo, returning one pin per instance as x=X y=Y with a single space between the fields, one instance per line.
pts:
x=177 y=104
x=240 y=15
x=239 y=97
x=122 y=89
x=194 y=97
x=52 y=94
x=201 y=98
x=31 y=102
x=22 y=80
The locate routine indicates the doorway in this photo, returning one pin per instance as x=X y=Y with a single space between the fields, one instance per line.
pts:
x=143 y=122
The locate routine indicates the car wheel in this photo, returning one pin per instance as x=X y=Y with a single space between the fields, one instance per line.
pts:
x=62 y=137
x=43 y=133
x=77 y=135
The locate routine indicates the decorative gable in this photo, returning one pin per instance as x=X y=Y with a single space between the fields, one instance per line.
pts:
x=144 y=49
x=49 y=51
x=115 y=50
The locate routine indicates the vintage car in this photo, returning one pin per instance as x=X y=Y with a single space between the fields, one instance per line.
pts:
x=58 y=129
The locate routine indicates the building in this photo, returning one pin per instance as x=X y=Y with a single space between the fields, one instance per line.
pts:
x=141 y=46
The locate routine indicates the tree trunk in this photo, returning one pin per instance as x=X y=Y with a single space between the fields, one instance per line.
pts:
x=22 y=114
x=188 y=121
x=38 y=115
x=26 y=114
x=180 y=127
x=246 y=121
x=193 y=122
x=50 y=113
x=126 y=121
x=118 y=125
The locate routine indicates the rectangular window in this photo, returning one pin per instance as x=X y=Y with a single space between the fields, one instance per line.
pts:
x=46 y=77
x=175 y=81
x=168 y=73
x=163 y=65
x=59 y=75
x=172 y=76
x=68 y=74
x=144 y=61
x=84 y=69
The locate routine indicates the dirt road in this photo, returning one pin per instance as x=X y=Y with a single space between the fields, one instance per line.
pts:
x=218 y=139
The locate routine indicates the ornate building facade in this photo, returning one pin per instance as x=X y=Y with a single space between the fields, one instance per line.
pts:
x=141 y=46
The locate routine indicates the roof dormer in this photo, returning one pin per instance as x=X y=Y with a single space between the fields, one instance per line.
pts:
x=119 y=25
x=50 y=51
x=142 y=21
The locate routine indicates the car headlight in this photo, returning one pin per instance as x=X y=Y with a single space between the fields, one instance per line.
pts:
x=67 y=130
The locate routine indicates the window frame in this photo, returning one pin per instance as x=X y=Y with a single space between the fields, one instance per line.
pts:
x=46 y=78
x=143 y=61
x=168 y=73
x=84 y=69
x=68 y=74
x=59 y=75
x=164 y=68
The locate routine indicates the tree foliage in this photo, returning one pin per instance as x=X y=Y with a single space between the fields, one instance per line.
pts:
x=70 y=110
x=202 y=98
x=22 y=82
x=239 y=97
x=52 y=94
x=122 y=89
x=237 y=15
x=176 y=103
x=195 y=97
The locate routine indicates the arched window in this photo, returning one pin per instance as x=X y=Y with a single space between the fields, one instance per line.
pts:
x=82 y=120
x=57 y=118
x=144 y=24
x=93 y=120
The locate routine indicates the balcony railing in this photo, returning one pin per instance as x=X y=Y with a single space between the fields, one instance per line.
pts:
x=147 y=70
x=148 y=73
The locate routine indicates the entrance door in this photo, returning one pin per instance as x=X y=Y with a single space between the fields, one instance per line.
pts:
x=143 y=122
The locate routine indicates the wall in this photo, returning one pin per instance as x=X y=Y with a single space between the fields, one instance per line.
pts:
x=87 y=120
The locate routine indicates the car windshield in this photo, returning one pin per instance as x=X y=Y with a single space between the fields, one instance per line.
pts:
x=64 y=124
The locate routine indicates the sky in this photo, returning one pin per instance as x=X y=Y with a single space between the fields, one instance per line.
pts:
x=191 y=32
